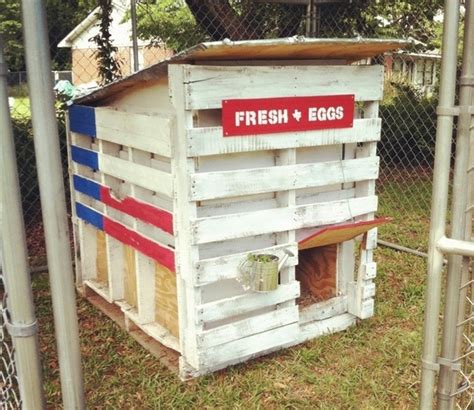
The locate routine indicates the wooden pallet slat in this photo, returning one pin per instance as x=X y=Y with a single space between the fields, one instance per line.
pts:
x=241 y=304
x=226 y=267
x=146 y=132
x=210 y=141
x=137 y=174
x=280 y=219
x=207 y=86
x=242 y=348
x=212 y=185
x=247 y=327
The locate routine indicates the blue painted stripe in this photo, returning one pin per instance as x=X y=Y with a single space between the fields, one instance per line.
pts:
x=90 y=215
x=85 y=157
x=82 y=120
x=86 y=186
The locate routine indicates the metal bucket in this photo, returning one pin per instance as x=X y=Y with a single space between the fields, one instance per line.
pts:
x=262 y=276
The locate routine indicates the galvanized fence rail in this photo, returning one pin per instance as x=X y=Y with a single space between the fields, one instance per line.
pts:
x=408 y=110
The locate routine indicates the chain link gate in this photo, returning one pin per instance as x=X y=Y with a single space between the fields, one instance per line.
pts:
x=408 y=111
x=9 y=394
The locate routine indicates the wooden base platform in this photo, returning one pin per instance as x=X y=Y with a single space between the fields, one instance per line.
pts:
x=168 y=357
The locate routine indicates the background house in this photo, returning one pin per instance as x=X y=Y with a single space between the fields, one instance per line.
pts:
x=418 y=69
x=84 y=63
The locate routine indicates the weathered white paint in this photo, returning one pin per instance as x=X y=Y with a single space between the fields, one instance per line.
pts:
x=345 y=265
x=324 y=310
x=154 y=330
x=246 y=327
x=145 y=270
x=368 y=291
x=99 y=288
x=207 y=86
x=371 y=239
x=210 y=141
x=71 y=140
x=149 y=133
x=184 y=211
x=360 y=307
x=226 y=267
x=305 y=332
x=88 y=250
x=137 y=174
x=280 y=219
x=318 y=328
x=237 y=305
x=369 y=270
x=151 y=97
x=248 y=346
x=211 y=185
x=116 y=266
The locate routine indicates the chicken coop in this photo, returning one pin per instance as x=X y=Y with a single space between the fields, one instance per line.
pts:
x=183 y=172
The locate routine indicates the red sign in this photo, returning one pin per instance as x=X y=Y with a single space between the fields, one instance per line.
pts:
x=273 y=115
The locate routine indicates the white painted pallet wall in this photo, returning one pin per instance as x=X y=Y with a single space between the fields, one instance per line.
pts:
x=245 y=190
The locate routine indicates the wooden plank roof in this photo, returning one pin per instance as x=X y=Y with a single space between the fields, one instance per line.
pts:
x=294 y=48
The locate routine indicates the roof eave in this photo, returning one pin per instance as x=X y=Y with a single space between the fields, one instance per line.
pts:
x=68 y=41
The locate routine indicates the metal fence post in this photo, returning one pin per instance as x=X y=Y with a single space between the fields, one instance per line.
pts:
x=21 y=325
x=439 y=200
x=447 y=378
x=53 y=201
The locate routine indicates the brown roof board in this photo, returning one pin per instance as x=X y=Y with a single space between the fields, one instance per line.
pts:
x=293 y=48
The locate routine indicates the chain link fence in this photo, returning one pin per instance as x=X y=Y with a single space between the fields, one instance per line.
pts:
x=9 y=393
x=465 y=380
x=169 y=26
x=408 y=110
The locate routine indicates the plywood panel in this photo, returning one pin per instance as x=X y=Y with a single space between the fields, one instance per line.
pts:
x=337 y=233
x=317 y=273
x=166 y=302
x=101 y=260
x=130 y=276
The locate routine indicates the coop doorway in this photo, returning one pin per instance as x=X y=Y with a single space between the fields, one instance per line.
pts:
x=317 y=273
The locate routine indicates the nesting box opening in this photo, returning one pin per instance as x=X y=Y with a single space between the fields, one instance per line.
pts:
x=317 y=273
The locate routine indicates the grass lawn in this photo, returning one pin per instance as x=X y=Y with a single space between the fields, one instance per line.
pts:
x=407 y=199
x=375 y=364
x=21 y=108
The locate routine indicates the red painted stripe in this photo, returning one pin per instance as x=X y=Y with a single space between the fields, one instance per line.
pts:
x=141 y=210
x=146 y=246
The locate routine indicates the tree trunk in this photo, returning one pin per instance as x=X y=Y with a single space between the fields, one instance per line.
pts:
x=220 y=20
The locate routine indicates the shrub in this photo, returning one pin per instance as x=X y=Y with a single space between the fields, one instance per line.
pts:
x=26 y=160
x=408 y=126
